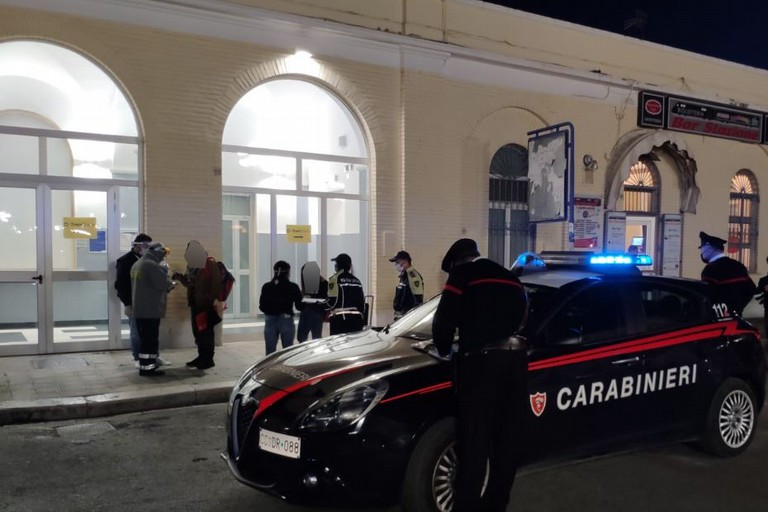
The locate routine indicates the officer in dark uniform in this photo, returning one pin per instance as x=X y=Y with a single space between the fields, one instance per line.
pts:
x=731 y=278
x=760 y=295
x=346 y=300
x=487 y=304
x=410 y=289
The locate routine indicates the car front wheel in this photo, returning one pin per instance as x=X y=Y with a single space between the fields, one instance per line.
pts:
x=428 y=483
x=730 y=423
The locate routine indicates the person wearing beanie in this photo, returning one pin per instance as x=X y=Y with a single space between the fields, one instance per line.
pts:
x=486 y=304
x=346 y=300
x=150 y=284
x=277 y=300
x=731 y=280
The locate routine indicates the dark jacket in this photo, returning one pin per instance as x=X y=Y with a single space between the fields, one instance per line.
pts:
x=345 y=291
x=732 y=282
x=279 y=296
x=409 y=292
x=123 y=280
x=484 y=301
x=203 y=285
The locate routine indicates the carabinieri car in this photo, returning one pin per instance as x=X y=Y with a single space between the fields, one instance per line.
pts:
x=617 y=361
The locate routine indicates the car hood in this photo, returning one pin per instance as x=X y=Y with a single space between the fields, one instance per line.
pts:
x=369 y=352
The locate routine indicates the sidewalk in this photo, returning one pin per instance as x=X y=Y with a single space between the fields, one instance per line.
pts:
x=91 y=384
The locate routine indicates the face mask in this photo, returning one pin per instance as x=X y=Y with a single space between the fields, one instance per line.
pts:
x=399 y=268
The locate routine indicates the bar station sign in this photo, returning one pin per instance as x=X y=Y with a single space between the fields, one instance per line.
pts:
x=658 y=110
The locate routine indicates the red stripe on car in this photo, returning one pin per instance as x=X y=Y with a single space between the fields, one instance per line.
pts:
x=270 y=400
x=421 y=391
x=680 y=337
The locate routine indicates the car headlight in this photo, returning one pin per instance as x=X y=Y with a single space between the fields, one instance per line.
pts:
x=343 y=408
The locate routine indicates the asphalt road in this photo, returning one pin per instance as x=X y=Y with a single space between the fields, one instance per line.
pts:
x=169 y=460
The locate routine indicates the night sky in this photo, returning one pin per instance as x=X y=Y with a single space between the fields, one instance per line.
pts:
x=732 y=30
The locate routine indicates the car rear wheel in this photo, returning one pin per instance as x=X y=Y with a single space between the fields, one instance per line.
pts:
x=428 y=483
x=730 y=424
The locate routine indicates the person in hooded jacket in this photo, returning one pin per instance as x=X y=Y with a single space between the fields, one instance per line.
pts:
x=123 y=287
x=277 y=300
x=203 y=283
x=150 y=284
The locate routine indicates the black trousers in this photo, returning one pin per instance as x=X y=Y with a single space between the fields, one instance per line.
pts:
x=149 y=336
x=491 y=398
x=343 y=323
x=204 y=338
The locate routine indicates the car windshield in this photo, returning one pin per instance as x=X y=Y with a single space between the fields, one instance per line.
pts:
x=417 y=323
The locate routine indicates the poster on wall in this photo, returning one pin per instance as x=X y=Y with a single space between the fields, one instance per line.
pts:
x=587 y=221
x=615 y=231
x=548 y=176
x=672 y=245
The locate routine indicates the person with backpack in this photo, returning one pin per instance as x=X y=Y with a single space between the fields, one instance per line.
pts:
x=277 y=300
x=204 y=289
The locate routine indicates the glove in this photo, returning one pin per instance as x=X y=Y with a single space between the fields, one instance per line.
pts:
x=128 y=311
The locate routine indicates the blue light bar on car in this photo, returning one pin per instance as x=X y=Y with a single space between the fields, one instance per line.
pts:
x=620 y=259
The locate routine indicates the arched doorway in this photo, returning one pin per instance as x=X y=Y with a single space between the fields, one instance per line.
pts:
x=294 y=160
x=508 y=204
x=70 y=167
x=640 y=161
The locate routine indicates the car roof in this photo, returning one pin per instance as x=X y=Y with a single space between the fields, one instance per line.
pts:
x=557 y=277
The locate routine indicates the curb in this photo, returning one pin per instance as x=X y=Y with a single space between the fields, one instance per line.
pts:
x=108 y=404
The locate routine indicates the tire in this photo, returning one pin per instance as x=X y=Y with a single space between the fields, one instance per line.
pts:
x=428 y=483
x=732 y=419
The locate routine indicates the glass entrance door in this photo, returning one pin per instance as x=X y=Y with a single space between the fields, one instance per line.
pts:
x=21 y=279
x=55 y=284
x=79 y=294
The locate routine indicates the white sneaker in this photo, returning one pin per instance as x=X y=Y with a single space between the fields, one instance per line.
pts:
x=162 y=362
x=136 y=364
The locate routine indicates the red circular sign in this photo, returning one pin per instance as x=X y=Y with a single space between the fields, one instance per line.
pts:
x=653 y=107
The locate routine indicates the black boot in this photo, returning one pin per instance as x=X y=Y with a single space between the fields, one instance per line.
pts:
x=193 y=363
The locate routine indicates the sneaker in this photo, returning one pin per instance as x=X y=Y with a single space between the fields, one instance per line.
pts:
x=193 y=363
x=151 y=373
x=136 y=364
x=205 y=366
x=162 y=362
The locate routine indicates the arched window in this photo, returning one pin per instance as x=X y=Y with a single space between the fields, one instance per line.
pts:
x=70 y=170
x=294 y=159
x=508 y=204
x=641 y=188
x=742 y=219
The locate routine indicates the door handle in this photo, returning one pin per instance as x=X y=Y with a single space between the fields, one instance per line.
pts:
x=626 y=361
x=38 y=278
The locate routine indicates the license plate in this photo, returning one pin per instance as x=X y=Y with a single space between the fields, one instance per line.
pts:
x=281 y=444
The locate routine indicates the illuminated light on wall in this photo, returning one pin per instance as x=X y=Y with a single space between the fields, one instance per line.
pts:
x=302 y=63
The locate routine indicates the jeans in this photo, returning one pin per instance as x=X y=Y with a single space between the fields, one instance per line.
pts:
x=133 y=329
x=310 y=320
x=281 y=326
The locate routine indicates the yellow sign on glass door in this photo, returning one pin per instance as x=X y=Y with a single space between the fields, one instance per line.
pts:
x=79 y=227
x=298 y=233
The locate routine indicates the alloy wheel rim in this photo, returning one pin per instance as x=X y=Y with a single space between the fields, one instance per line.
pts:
x=444 y=475
x=736 y=419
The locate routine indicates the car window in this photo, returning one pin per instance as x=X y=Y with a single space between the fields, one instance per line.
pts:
x=663 y=307
x=592 y=315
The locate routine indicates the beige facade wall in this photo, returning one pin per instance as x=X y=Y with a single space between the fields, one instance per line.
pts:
x=431 y=132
